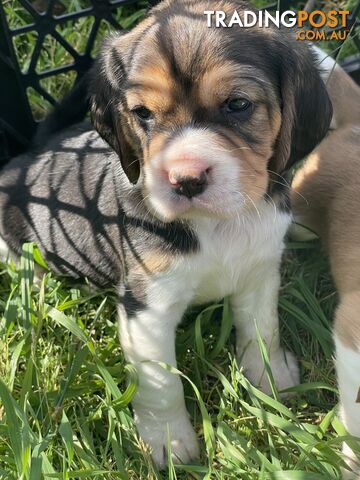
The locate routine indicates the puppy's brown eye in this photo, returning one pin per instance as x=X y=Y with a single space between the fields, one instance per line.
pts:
x=143 y=113
x=235 y=105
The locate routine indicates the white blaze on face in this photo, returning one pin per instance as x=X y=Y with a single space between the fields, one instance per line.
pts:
x=192 y=153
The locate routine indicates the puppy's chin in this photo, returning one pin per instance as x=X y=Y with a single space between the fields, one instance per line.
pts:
x=174 y=207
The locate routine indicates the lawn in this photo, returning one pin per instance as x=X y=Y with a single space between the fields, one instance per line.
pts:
x=65 y=389
x=65 y=400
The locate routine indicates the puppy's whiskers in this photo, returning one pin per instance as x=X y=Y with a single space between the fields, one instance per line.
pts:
x=253 y=203
x=286 y=183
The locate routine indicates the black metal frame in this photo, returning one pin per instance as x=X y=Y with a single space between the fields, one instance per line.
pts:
x=17 y=125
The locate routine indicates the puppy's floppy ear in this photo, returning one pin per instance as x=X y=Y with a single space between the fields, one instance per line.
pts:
x=306 y=108
x=107 y=104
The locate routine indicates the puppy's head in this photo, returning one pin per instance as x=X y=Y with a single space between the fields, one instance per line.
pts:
x=204 y=118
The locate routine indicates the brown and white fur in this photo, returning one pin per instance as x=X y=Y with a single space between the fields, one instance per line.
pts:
x=326 y=199
x=188 y=203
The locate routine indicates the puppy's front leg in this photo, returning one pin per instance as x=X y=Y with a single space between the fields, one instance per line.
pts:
x=148 y=335
x=258 y=302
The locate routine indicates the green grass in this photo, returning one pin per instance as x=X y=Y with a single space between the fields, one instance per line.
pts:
x=64 y=398
x=64 y=410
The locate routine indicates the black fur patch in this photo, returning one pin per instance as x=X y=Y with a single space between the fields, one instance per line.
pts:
x=133 y=304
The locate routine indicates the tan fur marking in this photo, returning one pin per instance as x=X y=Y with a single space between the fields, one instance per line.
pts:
x=226 y=78
x=152 y=262
x=154 y=77
x=345 y=97
x=156 y=146
x=276 y=123
x=155 y=89
x=306 y=206
x=347 y=320
x=310 y=168
x=212 y=90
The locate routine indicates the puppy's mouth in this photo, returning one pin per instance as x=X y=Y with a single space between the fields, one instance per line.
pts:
x=187 y=209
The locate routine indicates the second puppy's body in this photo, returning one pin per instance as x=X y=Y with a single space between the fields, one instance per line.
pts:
x=326 y=199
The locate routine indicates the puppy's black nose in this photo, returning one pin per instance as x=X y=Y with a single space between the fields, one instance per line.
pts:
x=191 y=186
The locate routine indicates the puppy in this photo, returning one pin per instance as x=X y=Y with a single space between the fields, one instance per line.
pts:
x=329 y=205
x=187 y=203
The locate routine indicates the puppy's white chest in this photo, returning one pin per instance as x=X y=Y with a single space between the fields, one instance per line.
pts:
x=233 y=253
x=232 y=257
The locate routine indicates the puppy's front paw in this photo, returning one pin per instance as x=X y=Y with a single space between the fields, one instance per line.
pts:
x=156 y=432
x=284 y=368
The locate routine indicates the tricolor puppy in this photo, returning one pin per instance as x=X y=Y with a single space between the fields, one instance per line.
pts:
x=188 y=204
x=326 y=200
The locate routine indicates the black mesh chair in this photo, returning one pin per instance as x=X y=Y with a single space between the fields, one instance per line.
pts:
x=17 y=122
